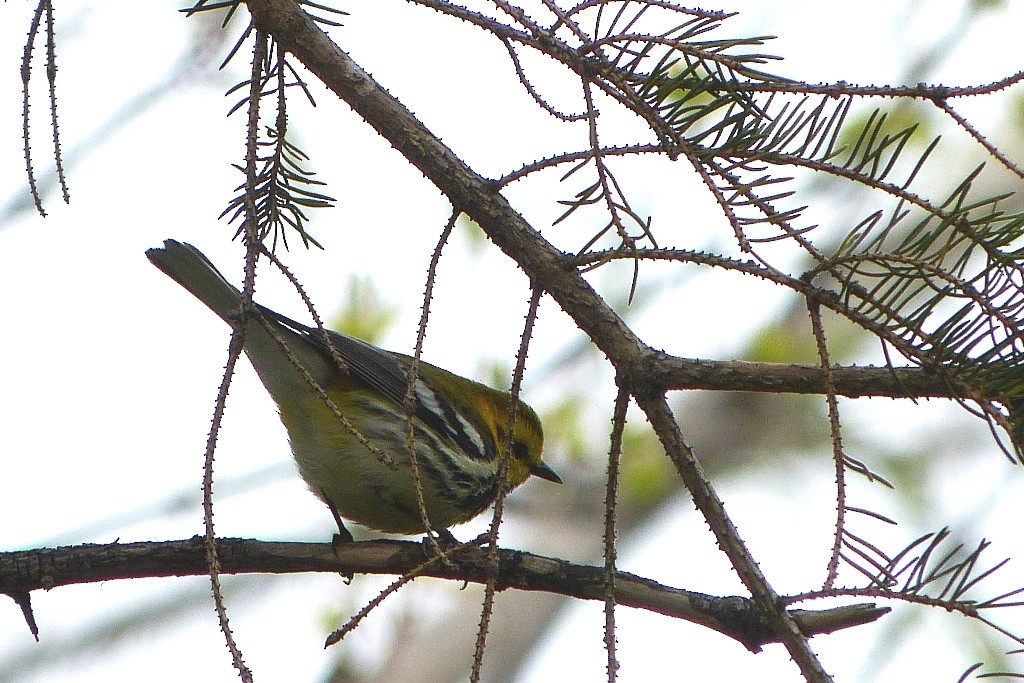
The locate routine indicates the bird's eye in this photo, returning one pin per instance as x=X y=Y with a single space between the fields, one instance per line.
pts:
x=519 y=450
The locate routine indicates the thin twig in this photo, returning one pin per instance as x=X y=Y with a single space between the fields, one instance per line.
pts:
x=51 y=77
x=610 y=552
x=942 y=104
x=505 y=453
x=838 y=456
x=235 y=347
x=26 y=77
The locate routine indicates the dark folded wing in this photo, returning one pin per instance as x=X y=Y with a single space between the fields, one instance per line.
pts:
x=375 y=367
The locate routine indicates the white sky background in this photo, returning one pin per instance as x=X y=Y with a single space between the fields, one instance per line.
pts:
x=109 y=370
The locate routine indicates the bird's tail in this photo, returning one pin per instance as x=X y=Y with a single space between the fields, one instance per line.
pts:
x=187 y=266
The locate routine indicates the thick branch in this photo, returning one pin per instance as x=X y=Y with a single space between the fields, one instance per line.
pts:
x=666 y=372
x=27 y=570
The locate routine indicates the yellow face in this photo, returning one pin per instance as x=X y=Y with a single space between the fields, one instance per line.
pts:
x=527 y=447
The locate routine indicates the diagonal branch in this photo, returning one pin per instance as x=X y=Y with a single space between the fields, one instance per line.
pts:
x=465 y=188
x=711 y=507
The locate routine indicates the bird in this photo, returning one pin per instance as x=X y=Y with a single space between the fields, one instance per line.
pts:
x=351 y=442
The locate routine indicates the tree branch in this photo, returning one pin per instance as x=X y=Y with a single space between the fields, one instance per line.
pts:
x=737 y=617
x=669 y=372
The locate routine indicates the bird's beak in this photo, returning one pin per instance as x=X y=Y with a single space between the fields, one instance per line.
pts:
x=544 y=472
